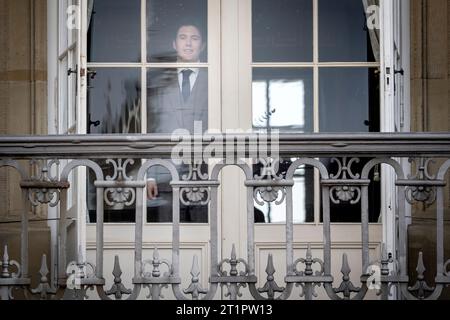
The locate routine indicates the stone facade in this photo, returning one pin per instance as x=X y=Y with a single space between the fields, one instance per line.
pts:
x=23 y=111
x=430 y=111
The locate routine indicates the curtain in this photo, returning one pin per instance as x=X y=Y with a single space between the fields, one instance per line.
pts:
x=90 y=7
x=374 y=33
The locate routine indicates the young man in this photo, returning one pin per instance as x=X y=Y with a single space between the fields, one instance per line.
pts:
x=178 y=98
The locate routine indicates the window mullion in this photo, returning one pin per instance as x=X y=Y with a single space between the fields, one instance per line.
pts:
x=317 y=193
x=143 y=67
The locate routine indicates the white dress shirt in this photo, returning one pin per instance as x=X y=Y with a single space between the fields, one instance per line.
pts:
x=192 y=77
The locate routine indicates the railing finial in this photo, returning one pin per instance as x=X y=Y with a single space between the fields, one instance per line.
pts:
x=117 y=288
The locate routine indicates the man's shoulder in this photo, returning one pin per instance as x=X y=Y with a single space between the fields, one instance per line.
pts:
x=162 y=78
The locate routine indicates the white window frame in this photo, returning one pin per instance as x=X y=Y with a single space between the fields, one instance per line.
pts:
x=245 y=61
x=64 y=99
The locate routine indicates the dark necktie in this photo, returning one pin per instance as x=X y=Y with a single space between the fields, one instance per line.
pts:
x=186 y=85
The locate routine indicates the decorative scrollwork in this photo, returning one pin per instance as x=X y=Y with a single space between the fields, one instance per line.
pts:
x=119 y=195
x=423 y=169
x=269 y=169
x=233 y=288
x=124 y=196
x=44 y=195
x=345 y=194
x=421 y=286
x=270 y=287
x=425 y=194
x=156 y=262
x=120 y=169
x=117 y=289
x=195 y=172
x=422 y=193
x=43 y=169
x=269 y=172
x=344 y=168
x=195 y=288
x=269 y=194
x=195 y=195
x=346 y=287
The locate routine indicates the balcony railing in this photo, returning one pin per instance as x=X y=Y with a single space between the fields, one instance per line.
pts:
x=425 y=185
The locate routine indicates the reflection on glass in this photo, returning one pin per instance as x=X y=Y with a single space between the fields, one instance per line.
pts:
x=114 y=106
x=114 y=100
x=282 y=30
x=164 y=21
x=283 y=98
x=177 y=98
x=114 y=31
x=349 y=100
x=303 y=198
x=344 y=34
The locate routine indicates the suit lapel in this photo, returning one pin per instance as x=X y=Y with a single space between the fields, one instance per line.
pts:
x=198 y=95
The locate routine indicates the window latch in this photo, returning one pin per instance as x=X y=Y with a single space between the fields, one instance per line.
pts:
x=401 y=71
x=93 y=123
x=70 y=71
x=90 y=73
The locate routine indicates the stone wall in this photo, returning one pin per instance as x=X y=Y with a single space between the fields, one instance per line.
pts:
x=23 y=111
x=430 y=111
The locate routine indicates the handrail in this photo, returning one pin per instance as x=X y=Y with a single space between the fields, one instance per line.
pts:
x=150 y=145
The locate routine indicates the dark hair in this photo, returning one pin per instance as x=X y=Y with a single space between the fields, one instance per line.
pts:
x=184 y=24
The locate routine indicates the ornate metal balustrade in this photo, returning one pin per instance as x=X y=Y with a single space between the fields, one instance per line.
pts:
x=234 y=273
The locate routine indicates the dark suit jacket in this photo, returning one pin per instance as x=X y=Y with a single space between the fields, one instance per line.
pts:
x=166 y=113
x=167 y=110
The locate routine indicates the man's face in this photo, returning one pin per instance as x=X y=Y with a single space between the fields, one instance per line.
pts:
x=188 y=44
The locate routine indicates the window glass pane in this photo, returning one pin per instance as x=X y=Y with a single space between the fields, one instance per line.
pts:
x=176 y=99
x=343 y=32
x=349 y=100
x=114 y=31
x=114 y=106
x=283 y=98
x=282 y=30
x=114 y=99
x=177 y=30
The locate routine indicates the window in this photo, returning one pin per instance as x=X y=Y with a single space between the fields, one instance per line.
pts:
x=137 y=52
x=315 y=68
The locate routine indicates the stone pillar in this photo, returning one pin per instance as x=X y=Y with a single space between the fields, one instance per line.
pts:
x=23 y=111
x=430 y=112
